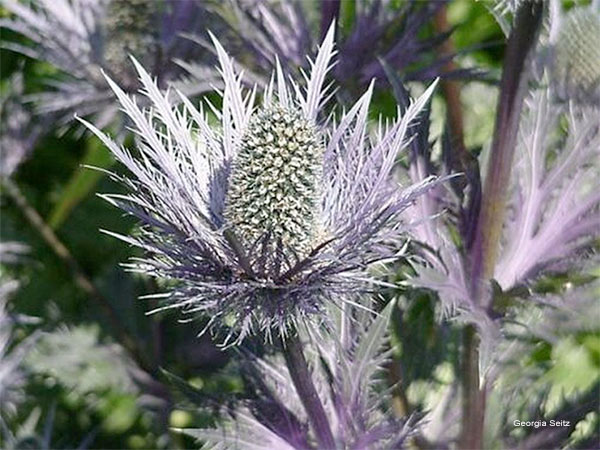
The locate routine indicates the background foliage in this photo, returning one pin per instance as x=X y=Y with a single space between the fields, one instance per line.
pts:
x=82 y=388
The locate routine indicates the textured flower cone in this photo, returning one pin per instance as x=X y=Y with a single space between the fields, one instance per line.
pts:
x=129 y=28
x=577 y=55
x=272 y=199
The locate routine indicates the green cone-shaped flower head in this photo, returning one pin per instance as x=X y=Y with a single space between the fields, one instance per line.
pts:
x=129 y=30
x=274 y=185
x=577 y=53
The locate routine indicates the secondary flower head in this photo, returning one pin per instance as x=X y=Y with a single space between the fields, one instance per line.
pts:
x=82 y=37
x=576 y=65
x=274 y=212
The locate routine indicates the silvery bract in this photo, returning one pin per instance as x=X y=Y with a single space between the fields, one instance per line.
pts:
x=555 y=204
x=259 y=226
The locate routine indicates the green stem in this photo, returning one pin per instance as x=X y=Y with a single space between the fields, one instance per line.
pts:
x=81 y=279
x=474 y=396
x=302 y=379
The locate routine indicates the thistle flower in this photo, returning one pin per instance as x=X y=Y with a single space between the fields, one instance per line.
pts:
x=249 y=253
x=346 y=359
x=576 y=58
x=81 y=37
x=263 y=31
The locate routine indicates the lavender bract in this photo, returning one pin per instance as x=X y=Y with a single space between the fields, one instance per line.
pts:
x=553 y=209
x=231 y=263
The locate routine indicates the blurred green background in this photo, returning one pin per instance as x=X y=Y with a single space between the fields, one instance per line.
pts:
x=95 y=399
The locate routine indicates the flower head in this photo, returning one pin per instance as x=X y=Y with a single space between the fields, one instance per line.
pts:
x=274 y=183
x=82 y=37
x=269 y=215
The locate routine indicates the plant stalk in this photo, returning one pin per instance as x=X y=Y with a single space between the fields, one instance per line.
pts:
x=474 y=398
x=513 y=87
x=81 y=279
x=451 y=88
x=302 y=379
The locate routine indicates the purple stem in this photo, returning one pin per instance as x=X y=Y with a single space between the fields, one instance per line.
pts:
x=488 y=232
x=512 y=92
x=300 y=373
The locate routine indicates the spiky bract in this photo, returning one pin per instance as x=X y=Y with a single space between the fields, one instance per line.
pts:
x=577 y=55
x=273 y=188
x=192 y=189
x=553 y=218
x=259 y=32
